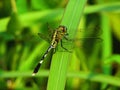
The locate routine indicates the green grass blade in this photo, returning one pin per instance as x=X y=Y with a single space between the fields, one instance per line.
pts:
x=29 y=18
x=84 y=75
x=113 y=58
x=106 y=7
x=107 y=44
x=58 y=70
x=26 y=64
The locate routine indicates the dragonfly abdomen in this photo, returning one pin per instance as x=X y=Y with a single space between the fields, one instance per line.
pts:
x=41 y=60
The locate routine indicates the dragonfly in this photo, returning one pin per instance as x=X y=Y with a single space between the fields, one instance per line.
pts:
x=58 y=34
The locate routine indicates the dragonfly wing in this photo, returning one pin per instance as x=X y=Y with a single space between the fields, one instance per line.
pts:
x=50 y=30
x=80 y=43
x=91 y=31
x=88 y=40
x=44 y=37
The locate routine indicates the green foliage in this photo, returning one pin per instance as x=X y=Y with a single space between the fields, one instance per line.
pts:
x=94 y=63
x=60 y=60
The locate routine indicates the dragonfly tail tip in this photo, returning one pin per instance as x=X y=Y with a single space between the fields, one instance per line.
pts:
x=33 y=74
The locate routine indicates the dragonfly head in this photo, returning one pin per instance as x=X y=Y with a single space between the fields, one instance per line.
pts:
x=63 y=29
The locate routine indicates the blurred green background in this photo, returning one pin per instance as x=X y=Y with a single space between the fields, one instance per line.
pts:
x=95 y=63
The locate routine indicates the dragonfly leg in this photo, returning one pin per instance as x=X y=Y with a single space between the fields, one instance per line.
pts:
x=63 y=46
x=67 y=38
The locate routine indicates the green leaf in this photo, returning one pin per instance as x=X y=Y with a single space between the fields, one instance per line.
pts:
x=113 y=58
x=14 y=25
x=84 y=75
x=58 y=69
x=22 y=6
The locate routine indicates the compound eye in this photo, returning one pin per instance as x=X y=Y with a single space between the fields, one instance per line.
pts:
x=64 y=28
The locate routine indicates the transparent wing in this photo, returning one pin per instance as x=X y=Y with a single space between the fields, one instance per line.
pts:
x=79 y=43
x=94 y=32
x=50 y=30
x=44 y=37
x=49 y=35
x=84 y=38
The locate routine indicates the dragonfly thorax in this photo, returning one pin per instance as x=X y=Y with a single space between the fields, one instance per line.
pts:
x=59 y=33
